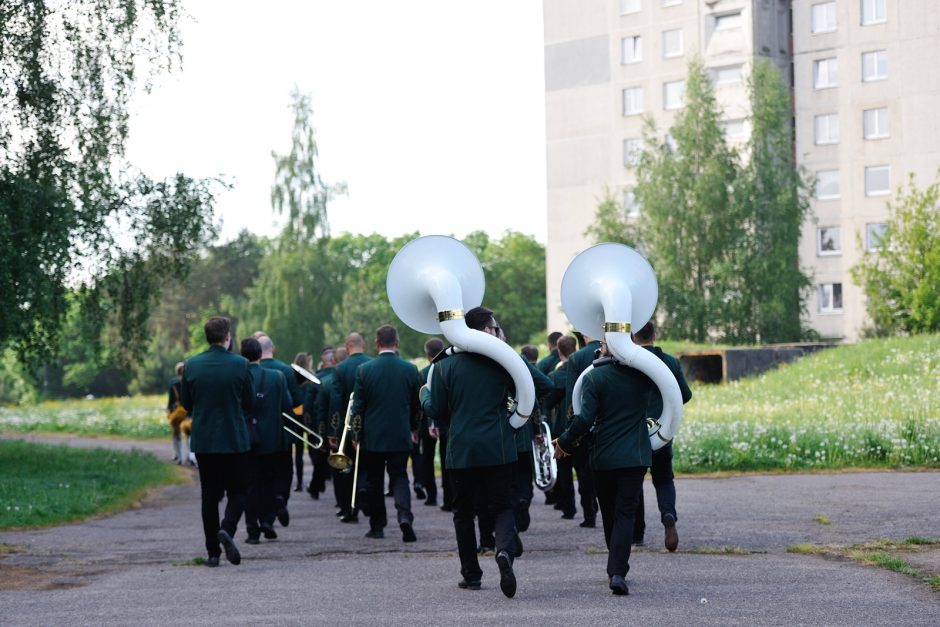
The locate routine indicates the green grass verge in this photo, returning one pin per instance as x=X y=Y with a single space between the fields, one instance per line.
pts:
x=869 y=405
x=135 y=417
x=45 y=485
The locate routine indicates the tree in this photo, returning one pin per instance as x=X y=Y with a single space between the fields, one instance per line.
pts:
x=72 y=211
x=768 y=285
x=611 y=223
x=901 y=279
x=689 y=220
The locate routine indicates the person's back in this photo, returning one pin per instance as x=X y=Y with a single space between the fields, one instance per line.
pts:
x=388 y=389
x=271 y=399
x=617 y=397
x=216 y=386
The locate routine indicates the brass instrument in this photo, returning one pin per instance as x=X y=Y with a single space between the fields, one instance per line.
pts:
x=339 y=460
x=302 y=438
x=543 y=457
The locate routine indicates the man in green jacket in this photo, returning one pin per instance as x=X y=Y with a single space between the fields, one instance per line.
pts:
x=468 y=396
x=614 y=398
x=344 y=380
x=216 y=388
x=285 y=466
x=317 y=421
x=386 y=410
x=577 y=363
x=264 y=419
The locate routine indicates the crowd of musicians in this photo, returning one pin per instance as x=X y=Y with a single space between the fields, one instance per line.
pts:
x=254 y=418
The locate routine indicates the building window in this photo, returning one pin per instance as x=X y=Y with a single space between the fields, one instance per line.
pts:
x=826 y=129
x=830 y=297
x=632 y=100
x=631 y=49
x=734 y=129
x=825 y=73
x=874 y=12
x=828 y=241
x=727 y=74
x=672 y=43
x=878 y=180
x=673 y=94
x=876 y=124
x=728 y=21
x=631 y=206
x=824 y=17
x=629 y=6
x=632 y=151
x=875 y=65
x=827 y=185
x=874 y=234
x=671 y=3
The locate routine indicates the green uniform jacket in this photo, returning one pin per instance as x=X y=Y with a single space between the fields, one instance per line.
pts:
x=310 y=401
x=543 y=387
x=290 y=375
x=547 y=364
x=217 y=390
x=344 y=381
x=578 y=361
x=173 y=397
x=321 y=408
x=468 y=396
x=614 y=399
x=385 y=403
x=554 y=402
x=270 y=401
x=655 y=408
x=425 y=419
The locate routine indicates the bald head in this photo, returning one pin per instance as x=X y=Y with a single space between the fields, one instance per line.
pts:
x=354 y=343
x=258 y=334
x=340 y=354
x=267 y=347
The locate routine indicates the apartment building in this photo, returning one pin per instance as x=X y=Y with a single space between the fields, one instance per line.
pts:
x=610 y=63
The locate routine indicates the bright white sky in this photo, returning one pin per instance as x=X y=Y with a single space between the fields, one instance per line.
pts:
x=432 y=111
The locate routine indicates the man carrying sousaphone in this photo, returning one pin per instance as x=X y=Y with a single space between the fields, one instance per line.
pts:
x=385 y=408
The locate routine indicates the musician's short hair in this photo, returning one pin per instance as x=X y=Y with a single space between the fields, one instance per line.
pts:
x=179 y=368
x=386 y=335
x=303 y=360
x=567 y=345
x=530 y=352
x=216 y=328
x=251 y=349
x=478 y=317
x=433 y=346
x=553 y=339
x=647 y=334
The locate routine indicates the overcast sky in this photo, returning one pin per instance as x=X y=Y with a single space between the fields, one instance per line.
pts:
x=431 y=111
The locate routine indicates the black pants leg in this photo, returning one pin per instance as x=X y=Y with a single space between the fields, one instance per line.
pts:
x=373 y=466
x=586 y=484
x=466 y=486
x=522 y=490
x=221 y=474
x=491 y=485
x=270 y=476
x=447 y=483
x=253 y=500
x=564 y=487
x=299 y=464
x=617 y=492
x=285 y=474
x=663 y=481
x=428 y=451
x=416 y=466
x=398 y=478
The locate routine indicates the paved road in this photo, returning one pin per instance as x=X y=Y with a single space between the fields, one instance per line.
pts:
x=135 y=567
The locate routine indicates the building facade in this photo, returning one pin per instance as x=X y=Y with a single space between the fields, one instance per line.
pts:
x=611 y=63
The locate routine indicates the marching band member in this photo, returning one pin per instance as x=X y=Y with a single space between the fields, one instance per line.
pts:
x=304 y=388
x=285 y=465
x=548 y=363
x=563 y=492
x=580 y=360
x=523 y=468
x=385 y=411
x=428 y=437
x=317 y=397
x=613 y=404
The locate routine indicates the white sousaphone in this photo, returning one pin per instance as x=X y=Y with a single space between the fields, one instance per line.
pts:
x=431 y=282
x=607 y=291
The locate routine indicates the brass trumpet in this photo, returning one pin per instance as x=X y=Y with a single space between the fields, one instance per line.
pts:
x=300 y=437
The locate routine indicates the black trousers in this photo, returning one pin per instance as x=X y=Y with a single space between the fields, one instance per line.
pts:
x=491 y=485
x=617 y=492
x=375 y=465
x=299 y=462
x=522 y=489
x=428 y=450
x=285 y=474
x=586 y=488
x=261 y=505
x=221 y=474
x=447 y=482
x=415 y=455
x=321 y=471
x=564 y=486
x=342 y=486
x=663 y=481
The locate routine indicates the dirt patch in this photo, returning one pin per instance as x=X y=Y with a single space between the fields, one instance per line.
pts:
x=27 y=579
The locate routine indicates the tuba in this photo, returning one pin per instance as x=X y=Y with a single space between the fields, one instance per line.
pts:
x=608 y=290
x=431 y=281
x=543 y=457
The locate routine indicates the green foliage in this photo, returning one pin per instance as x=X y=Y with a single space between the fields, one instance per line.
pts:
x=611 y=223
x=45 y=485
x=689 y=223
x=871 y=404
x=901 y=280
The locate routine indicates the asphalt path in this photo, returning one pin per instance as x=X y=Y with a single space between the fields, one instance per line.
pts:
x=732 y=567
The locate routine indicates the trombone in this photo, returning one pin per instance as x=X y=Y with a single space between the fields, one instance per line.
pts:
x=302 y=438
x=341 y=461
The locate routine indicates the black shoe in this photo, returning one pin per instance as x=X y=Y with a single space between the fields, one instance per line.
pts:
x=389 y=493
x=483 y=549
x=507 y=579
x=524 y=519
x=299 y=488
x=558 y=506
x=283 y=516
x=231 y=551
x=420 y=493
x=568 y=515
x=213 y=561
x=375 y=534
x=407 y=532
x=252 y=540
x=618 y=586
x=349 y=518
x=672 y=536
x=588 y=524
x=431 y=502
x=446 y=508
x=268 y=531
x=466 y=584
x=638 y=541
x=314 y=495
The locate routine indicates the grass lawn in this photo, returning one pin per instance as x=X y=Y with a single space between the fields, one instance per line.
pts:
x=42 y=484
x=134 y=417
